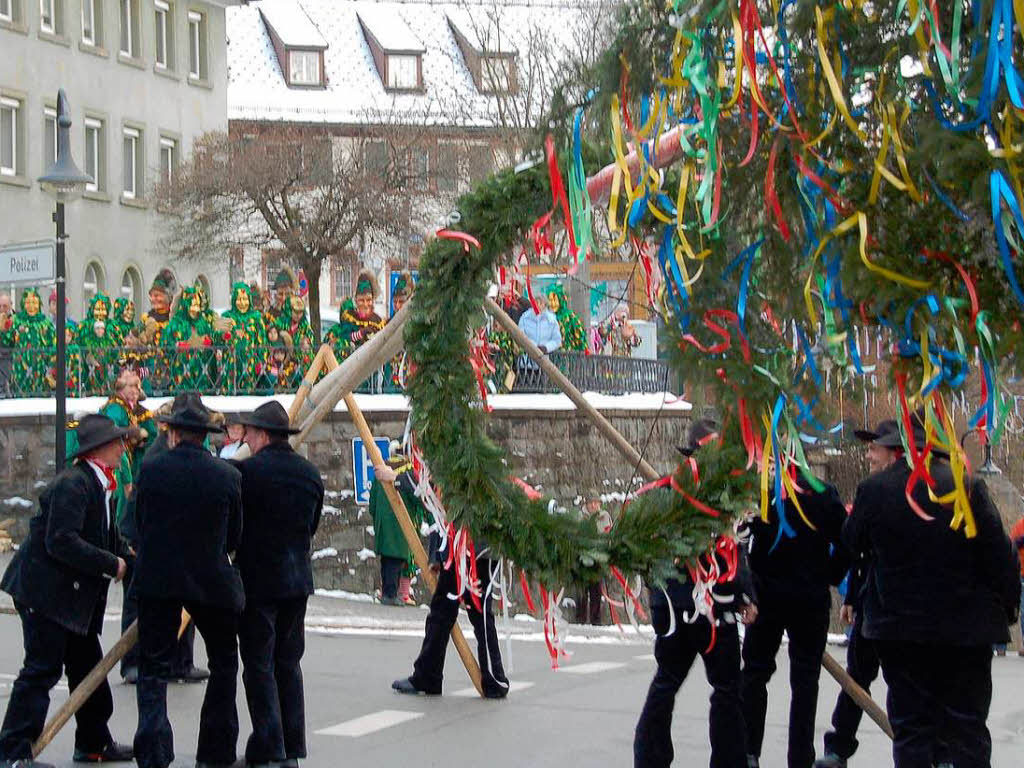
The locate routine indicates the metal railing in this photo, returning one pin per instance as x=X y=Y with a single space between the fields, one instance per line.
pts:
x=216 y=370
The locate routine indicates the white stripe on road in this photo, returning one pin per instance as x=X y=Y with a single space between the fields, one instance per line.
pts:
x=645 y=657
x=378 y=721
x=513 y=687
x=592 y=667
x=5 y=676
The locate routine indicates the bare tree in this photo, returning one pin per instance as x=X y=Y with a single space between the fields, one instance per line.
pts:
x=282 y=185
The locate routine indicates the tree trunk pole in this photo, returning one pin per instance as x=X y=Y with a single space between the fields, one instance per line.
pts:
x=859 y=695
x=412 y=538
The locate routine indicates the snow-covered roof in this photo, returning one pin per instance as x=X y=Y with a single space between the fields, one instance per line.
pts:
x=484 y=31
x=292 y=24
x=354 y=94
x=390 y=30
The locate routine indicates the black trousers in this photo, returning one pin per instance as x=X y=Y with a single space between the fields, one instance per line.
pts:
x=159 y=621
x=183 y=659
x=938 y=692
x=428 y=669
x=49 y=650
x=271 y=637
x=390 y=573
x=589 y=609
x=862 y=664
x=675 y=654
x=807 y=627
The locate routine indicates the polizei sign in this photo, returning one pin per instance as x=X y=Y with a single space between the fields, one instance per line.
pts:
x=31 y=263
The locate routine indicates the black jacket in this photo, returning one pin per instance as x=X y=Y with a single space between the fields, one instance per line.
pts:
x=282 y=498
x=63 y=568
x=189 y=517
x=928 y=583
x=799 y=569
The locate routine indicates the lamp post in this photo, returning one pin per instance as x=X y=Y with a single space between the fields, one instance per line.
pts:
x=64 y=183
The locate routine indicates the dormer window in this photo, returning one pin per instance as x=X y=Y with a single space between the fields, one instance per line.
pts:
x=489 y=55
x=297 y=42
x=304 y=67
x=396 y=51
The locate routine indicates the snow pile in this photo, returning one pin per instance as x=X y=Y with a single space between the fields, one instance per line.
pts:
x=326 y=552
x=17 y=501
x=365 y=554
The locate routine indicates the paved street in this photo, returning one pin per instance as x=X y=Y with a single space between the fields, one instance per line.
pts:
x=582 y=714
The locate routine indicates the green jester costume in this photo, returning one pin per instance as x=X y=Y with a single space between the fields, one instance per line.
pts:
x=249 y=339
x=569 y=323
x=189 y=336
x=122 y=322
x=33 y=337
x=95 y=344
x=357 y=321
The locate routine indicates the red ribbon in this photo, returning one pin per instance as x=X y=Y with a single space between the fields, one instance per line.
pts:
x=464 y=237
x=558 y=196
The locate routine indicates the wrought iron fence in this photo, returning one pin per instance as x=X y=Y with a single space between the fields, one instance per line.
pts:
x=268 y=370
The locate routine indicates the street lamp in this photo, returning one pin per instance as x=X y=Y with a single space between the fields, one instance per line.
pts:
x=64 y=183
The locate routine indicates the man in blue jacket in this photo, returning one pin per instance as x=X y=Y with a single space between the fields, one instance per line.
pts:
x=541 y=328
x=59 y=581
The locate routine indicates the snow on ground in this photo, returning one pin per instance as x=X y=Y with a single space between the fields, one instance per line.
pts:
x=326 y=552
x=340 y=594
x=17 y=501
x=365 y=554
x=34 y=406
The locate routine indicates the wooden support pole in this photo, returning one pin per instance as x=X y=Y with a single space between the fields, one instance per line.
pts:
x=859 y=695
x=92 y=681
x=307 y=382
x=621 y=444
x=412 y=536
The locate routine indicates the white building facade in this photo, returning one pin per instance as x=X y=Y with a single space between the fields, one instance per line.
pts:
x=143 y=79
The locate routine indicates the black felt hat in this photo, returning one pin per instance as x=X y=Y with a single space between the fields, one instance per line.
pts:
x=95 y=430
x=271 y=417
x=188 y=412
x=700 y=431
x=886 y=434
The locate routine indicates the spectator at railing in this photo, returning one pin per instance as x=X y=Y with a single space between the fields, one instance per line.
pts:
x=541 y=327
x=617 y=334
x=569 y=324
x=33 y=336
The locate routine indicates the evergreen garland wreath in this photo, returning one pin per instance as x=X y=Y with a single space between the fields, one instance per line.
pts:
x=659 y=528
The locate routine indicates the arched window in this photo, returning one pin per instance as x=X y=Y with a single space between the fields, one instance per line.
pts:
x=93 y=282
x=131 y=287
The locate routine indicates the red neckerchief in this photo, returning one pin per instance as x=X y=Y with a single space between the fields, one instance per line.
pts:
x=108 y=472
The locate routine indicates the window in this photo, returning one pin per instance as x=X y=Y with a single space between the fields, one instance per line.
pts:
x=7 y=10
x=49 y=138
x=403 y=72
x=304 y=67
x=375 y=157
x=9 y=128
x=131 y=286
x=93 y=282
x=94 y=154
x=48 y=16
x=341 y=278
x=420 y=170
x=129 y=28
x=164 y=30
x=132 y=164
x=448 y=168
x=496 y=74
x=196 y=45
x=89 y=22
x=168 y=158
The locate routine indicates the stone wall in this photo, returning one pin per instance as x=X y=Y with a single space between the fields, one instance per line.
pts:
x=557 y=451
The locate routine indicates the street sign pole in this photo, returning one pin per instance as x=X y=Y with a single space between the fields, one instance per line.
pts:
x=61 y=417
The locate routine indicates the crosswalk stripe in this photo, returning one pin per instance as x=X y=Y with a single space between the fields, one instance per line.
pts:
x=591 y=668
x=513 y=687
x=377 y=721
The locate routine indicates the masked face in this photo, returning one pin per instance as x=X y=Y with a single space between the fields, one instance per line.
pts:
x=195 y=307
x=242 y=301
x=399 y=301
x=553 y=303
x=100 y=310
x=158 y=301
x=364 y=305
x=298 y=307
x=128 y=315
x=32 y=305
x=282 y=295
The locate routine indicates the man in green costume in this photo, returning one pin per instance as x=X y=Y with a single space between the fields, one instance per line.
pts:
x=248 y=339
x=573 y=338
x=122 y=323
x=188 y=340
x=34 y=338
x=295 y=326
x=358 y=321
x=396 y=563
x=284 y=287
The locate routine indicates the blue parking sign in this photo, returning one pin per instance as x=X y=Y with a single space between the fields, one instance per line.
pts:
x=362 y=467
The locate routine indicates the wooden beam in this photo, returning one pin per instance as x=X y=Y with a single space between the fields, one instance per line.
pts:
x=859 y=695
x=621 y=444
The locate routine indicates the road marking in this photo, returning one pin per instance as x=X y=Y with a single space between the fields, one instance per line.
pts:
x=513 y=687
x=645 y=657
x=592 y=667
x=377 y=721
x=5 y=676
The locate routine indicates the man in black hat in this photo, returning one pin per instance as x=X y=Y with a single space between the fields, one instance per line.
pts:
x=59 y=582
x=884 y=448
x=935 y=602
x=189 y=518
x=681 y=635
x=283 y=496
x=793 y=562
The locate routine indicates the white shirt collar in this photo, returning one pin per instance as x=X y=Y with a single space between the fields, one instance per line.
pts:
x=100 y=474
